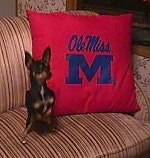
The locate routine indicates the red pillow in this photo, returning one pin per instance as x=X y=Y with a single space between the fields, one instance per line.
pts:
x=91 y=61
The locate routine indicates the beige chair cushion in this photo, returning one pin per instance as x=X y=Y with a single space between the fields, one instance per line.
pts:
x=76 y=136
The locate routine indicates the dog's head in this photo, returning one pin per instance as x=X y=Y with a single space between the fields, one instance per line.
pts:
x=39 y=69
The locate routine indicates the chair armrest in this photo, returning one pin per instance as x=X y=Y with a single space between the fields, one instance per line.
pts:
x=144 y=102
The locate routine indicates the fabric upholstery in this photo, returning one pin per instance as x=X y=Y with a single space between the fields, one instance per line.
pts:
x=14 y=39
x=45 y=6
x=76 y=136
x=142 y=99
x=141 y=72
x=40 y=6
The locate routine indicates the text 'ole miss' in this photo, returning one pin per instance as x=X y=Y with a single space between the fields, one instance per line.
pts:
x=77 y=62
x=88 y=44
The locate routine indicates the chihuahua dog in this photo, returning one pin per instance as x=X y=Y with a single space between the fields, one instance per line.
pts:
x=39 y=99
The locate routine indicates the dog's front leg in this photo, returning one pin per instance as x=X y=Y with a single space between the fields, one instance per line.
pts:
x=47 y=116
x=28 y=126
x=25 y=133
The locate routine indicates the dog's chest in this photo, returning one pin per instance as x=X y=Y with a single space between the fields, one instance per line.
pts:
x=44 y=98
x=39 y=100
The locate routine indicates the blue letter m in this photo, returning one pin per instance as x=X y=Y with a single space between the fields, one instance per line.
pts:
x=101 y=62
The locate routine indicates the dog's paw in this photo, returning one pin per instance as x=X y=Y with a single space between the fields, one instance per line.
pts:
x=50 y=100
x=24 y=141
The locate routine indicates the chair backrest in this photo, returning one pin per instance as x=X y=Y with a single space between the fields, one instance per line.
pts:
x=15 y=38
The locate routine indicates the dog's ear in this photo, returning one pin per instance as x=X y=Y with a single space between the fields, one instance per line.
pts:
x=28 y=59
x=46 y=56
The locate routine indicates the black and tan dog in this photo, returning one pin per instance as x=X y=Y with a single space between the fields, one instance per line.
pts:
x=39 y=99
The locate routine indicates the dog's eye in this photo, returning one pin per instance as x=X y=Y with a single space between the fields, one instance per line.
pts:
x=48 y=68
x=42 y=68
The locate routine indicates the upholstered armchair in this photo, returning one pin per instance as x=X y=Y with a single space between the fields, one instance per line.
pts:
x=91 y=135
